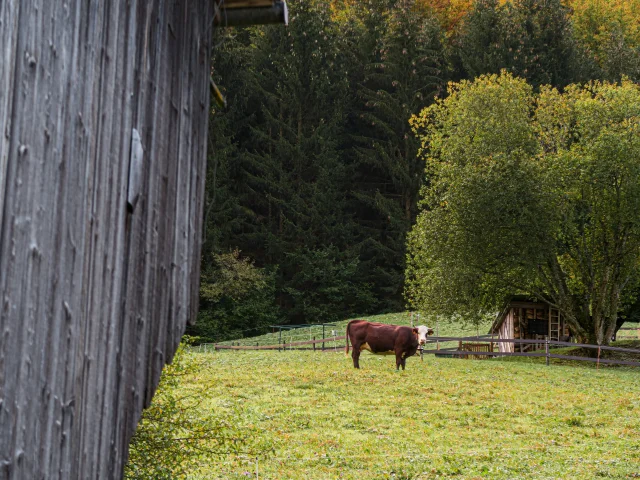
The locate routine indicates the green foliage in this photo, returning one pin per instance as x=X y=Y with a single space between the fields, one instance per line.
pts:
x=543 y=203
x=175 y=434
x=593 y=169
x=288 y=183
x=236 y=297
x=610 y=32
x=483 y=202
x=532 y=39
x=402 y=51
x=479 y=43
x=324 y=286
x=314 y=163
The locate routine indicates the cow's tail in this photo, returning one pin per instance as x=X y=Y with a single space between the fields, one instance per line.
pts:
x=346 y=340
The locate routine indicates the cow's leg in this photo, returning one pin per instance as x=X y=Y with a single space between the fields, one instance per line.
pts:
x=404 y=362
x=356 y=356
x=399 y=360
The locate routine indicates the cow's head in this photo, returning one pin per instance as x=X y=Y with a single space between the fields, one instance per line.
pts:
x=422 y=332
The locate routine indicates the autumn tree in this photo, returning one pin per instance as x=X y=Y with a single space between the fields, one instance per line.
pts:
x=610 y=33
x=534 y=194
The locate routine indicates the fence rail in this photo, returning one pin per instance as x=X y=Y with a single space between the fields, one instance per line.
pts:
x=277 y=346
x=459 y=351
x=533 y=341
x=531 y=354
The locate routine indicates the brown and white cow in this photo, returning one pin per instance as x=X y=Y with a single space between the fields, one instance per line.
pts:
x=385 y=339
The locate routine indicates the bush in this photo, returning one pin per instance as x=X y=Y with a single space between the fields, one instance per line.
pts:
x=236 y=297
x=173 y=437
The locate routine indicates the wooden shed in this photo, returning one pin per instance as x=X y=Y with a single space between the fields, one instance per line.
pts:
x=523 y=318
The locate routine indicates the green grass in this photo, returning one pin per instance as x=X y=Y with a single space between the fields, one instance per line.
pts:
x=441 y=418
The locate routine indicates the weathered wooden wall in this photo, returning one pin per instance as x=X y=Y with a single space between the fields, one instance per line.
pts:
x=506 y=332
x=93 y=296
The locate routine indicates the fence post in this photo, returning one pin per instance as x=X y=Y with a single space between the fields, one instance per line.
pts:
x=546 y=348
x=314 y=343
x=323 y=337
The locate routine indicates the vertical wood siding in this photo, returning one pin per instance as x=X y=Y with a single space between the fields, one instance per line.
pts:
x=507 y=331
x=93 y=296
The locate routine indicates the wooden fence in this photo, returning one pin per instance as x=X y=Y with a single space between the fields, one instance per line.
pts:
x=475 y=347
x=482 y=347
x=300 y=345
x=546 y=354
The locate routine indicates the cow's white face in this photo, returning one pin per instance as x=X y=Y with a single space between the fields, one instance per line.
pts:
x=423 y=332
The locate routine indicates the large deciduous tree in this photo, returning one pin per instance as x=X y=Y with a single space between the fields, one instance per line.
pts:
x=535 y=194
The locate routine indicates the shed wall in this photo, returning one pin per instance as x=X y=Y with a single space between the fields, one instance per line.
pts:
x=507 y=332
x=94 y=297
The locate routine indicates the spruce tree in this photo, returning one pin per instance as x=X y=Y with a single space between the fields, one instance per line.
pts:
x=532 y=39
x=289 y=176
x=479 y=44
x=404 y=68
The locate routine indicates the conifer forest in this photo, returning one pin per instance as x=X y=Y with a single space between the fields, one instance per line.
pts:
x=315 y=171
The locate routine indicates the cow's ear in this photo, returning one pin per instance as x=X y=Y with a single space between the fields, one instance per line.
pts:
x=415 y=330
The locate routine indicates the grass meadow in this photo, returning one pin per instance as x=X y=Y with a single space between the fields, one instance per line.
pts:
x=314 y=416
